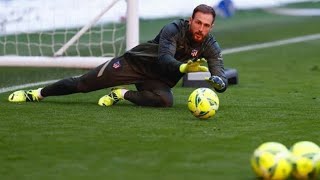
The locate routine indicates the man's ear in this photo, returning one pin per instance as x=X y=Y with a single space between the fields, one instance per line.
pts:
x=212 y=26
x=190 y=19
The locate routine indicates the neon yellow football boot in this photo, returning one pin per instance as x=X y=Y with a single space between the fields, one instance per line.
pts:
x=112 y=98
x=25 y=96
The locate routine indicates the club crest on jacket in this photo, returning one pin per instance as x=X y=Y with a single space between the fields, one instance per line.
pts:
x=194 y=53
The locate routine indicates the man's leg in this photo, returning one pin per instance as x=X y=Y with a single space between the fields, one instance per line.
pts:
x=112 y=73
x=151 y=93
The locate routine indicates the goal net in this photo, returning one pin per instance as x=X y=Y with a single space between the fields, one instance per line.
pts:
x=45 y=33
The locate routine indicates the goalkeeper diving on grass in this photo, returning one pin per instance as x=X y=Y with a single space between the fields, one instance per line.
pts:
x=154 y=67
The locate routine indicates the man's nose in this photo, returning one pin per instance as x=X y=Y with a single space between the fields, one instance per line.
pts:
x=201 y=28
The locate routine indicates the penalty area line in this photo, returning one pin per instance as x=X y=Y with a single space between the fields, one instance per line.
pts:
x=226 y=51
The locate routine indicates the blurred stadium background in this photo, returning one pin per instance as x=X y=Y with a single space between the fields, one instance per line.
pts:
x=273 y=45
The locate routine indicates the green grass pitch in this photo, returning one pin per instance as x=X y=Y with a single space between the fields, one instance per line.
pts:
x=71 y=137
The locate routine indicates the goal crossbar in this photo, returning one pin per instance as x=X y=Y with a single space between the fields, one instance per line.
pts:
x=45 y=61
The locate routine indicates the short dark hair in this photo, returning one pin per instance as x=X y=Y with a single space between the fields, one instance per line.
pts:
x=204 y=9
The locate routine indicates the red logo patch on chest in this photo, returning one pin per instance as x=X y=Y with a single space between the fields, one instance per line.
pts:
x=194 y=53
x=116 y=65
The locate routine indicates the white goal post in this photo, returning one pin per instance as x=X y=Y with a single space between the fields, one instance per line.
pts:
x=59 y=59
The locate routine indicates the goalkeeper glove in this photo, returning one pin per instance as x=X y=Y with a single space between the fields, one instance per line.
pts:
x=193 y=66
x=216 y=82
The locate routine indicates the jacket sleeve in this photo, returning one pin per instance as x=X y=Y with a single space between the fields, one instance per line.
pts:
x=214 y=58
x=167 y=47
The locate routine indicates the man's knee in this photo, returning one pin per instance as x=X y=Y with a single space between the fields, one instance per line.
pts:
x=167 y=103
x=166 y=99
x=155 y=98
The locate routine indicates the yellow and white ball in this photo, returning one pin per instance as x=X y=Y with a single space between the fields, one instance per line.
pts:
x=306 y=160
x=211 y=96
x=271 y=160
x=203 y=103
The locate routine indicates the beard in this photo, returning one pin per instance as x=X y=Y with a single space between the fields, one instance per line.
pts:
x=198 y=36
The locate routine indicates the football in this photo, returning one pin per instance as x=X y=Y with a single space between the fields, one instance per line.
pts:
x=306 y=160
x=271 y=160
x=211 y=95
x=203 y=103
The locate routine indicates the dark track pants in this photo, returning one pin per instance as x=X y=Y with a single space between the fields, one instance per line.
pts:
x=115 y=72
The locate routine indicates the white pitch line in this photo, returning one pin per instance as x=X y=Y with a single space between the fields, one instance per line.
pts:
x=226 y=51
x=12 y=88
x=272 y=44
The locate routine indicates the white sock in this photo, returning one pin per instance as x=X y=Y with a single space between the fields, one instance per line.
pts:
x=39 y=93
x=123 y=91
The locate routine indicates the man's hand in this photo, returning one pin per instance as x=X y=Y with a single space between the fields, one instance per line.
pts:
x=193 y=66
x=216 y=82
